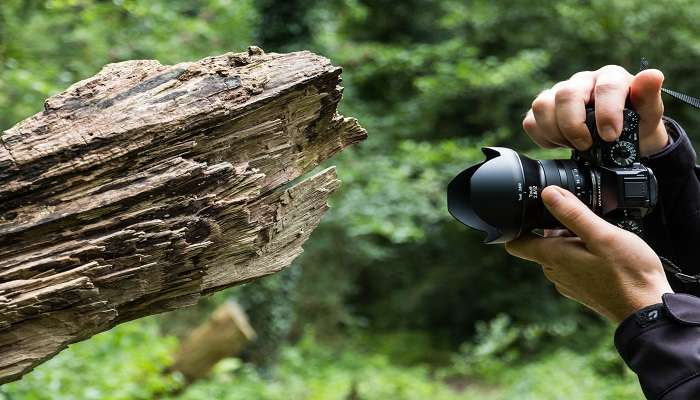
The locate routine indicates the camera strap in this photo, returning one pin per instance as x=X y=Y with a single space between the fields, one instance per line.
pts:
x=674 y=270
x=689 y=100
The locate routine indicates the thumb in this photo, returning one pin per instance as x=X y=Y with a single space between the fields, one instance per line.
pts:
x=573 y=214
x=645 y=93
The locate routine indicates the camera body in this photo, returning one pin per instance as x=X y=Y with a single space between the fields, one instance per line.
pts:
x=501 y=195
x=628 y=187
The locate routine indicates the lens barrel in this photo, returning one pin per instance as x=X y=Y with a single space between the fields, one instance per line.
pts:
x=501 y=195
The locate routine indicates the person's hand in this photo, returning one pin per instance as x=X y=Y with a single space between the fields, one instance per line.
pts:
x=558 y=115
x=608 y=269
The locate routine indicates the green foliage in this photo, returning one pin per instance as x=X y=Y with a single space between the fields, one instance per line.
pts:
x=287 y=24
x=127 y=363
x=123 y=364
x=432 y=81
x=270 y=312
x=313 y=371
x=47 y=45
x=588 y=367
x=432 y=86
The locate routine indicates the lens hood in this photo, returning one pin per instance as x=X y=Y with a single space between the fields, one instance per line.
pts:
x=490 y=196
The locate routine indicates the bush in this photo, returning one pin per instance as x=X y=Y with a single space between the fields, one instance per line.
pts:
x=128 y=362
x=125 y=363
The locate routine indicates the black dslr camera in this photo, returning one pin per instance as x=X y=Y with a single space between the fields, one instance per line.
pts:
x=501 y=195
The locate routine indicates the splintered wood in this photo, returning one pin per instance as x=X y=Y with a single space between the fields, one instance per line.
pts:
x=143 y=188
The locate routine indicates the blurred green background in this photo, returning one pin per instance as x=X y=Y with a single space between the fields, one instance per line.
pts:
x=392 y=299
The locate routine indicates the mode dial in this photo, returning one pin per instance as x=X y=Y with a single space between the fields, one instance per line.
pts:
x=623 y=153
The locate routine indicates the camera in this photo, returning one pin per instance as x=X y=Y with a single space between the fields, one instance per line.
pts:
x=501 y=195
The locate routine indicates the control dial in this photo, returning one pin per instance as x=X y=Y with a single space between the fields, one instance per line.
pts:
x=631 y=121
x=623 y=153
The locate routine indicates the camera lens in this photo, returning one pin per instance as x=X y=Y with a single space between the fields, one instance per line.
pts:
x=501 y=195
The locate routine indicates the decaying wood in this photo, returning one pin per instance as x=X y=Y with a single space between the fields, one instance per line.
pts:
x=147 y=186
x=223 y=335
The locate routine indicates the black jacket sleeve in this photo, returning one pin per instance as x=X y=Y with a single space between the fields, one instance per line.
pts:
x=673 y=228
x=661 y=343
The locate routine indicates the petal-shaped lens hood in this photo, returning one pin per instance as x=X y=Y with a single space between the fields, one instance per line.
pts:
x=489 y=196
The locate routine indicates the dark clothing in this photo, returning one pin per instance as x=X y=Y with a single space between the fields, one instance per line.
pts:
x=661 y=343
x=673 y=228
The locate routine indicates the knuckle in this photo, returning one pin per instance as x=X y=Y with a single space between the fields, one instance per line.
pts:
x=581 y=75
x=567 y=92
x=529 y=123
x=604 y=88
x=541 y=104
x=558 y=85
x=613 y=69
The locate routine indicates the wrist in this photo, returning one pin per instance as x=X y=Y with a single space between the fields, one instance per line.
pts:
x=640 y=299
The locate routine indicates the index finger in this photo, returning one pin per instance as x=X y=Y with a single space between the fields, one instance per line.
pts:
x=554 y=252
x=571 y=99
x=610 y=94
x=531 y=247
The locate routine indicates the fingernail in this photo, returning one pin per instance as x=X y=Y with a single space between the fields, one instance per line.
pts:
x=608 y=133
x=552 y=195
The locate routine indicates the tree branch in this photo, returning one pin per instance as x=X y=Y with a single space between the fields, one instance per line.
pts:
x=147 y=186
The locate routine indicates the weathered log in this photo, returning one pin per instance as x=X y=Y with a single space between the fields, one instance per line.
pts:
x=224 y=334
x=147 y=186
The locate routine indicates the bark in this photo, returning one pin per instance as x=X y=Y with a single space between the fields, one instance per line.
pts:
x=223 y=335
x=143 y=188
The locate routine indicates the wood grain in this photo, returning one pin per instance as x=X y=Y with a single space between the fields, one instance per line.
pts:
x=143 y=188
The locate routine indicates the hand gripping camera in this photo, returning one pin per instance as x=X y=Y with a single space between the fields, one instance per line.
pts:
x=501 y=195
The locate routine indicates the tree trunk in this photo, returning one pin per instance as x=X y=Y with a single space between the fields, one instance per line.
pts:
x=224 y=334
x=147 y=186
